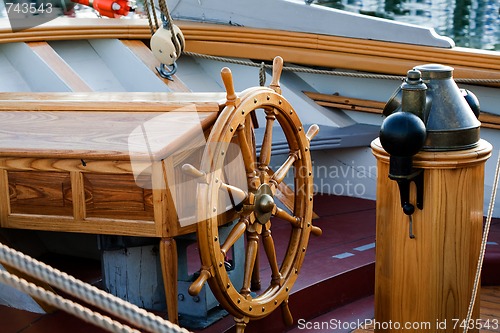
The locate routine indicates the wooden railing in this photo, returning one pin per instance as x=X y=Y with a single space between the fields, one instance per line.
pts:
x=264 y=44
x=488 y=120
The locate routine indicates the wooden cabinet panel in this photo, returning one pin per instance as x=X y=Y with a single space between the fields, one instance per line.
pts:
x=117 y=196
x=47 y=193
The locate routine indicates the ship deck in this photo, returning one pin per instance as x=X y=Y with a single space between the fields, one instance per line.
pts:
x=336 y=281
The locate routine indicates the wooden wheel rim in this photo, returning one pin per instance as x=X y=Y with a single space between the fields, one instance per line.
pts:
x=209 y=242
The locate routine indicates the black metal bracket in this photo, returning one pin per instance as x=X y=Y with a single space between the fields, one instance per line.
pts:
x=417 y=176
x=404 y=182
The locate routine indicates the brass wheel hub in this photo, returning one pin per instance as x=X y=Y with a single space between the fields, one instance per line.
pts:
x=264 y=203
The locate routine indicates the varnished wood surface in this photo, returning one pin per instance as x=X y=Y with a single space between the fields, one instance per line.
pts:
x=490 y=306
x=67 y=159
x=111 y=101
x=487 y=120
x=443 y=159
x=334 y=51
x=95 y=134
x=144 y=53
x=168 y=255
x=57 y=64
x=264 y=44
x=430 y=278
x=489 y=311
x=90 y=225
x=70 y=161
x=64 y=28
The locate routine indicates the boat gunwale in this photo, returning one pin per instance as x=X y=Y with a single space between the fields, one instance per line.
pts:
x=264 y=44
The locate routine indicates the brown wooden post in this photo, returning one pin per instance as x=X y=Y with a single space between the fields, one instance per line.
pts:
x=425 y=284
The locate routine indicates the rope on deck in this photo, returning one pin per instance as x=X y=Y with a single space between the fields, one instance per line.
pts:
x=486 y=231
x=330 y=72
x=64 y=304
x=83 y=291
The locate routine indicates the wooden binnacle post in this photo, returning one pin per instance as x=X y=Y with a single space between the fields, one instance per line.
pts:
x=424 y=282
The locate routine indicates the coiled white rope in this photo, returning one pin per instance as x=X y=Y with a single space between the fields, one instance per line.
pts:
x=486 y=231
x=83 y=291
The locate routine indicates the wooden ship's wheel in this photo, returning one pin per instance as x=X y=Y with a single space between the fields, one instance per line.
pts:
x=253 y=204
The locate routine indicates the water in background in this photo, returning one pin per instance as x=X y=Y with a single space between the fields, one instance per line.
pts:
x=470 y=23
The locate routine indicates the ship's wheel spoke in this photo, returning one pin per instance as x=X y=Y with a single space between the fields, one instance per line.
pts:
x=236 y=194
x=251 y=255
x=283 y=170
x=284 y=215
x=265 y=151
x=295 y=221
x=235 y=234
x=248 y=154
x=268 y=242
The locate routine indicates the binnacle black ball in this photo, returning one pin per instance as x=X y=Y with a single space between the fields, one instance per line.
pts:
x=472 y=100
x=402 y=134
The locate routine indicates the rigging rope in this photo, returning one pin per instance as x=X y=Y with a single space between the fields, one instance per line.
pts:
x=151 y=15
x=486 y=231
x=294 y=69
x=262 y=74
x=148 y=13
x=153 y=11
x=166 y=16
x=329 y=72
x=149 y=8
x=88 y=293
